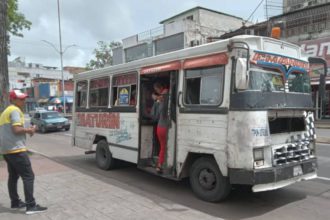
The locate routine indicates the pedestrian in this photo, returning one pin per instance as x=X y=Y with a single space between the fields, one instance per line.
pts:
x=162 y=124
x=13 y=148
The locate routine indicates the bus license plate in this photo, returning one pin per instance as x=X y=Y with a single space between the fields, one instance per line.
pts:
x=297 y=170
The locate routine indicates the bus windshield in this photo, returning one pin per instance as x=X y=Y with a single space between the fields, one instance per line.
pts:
x=271 y=81
x=266 y=80
x=299 y=82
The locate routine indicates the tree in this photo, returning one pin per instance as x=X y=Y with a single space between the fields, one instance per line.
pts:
x=3 y=56
x=103 y=55
x=16 y=20
x=13 y=22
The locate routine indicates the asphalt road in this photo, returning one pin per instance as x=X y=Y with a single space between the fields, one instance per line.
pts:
x=242 y=204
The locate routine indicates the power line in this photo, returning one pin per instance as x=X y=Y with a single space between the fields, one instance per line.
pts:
x=255 y=10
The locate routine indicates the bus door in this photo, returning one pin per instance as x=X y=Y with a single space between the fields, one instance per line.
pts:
x=149 y=147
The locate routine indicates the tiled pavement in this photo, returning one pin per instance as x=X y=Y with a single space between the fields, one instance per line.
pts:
x=70 y=194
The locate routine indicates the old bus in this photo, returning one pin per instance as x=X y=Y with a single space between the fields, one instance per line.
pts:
x=240 y=112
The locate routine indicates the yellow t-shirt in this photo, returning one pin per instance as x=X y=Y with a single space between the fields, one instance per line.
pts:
x=9 y=141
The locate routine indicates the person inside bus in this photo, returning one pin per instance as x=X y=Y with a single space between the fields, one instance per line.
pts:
x=154 y=116
x=132 y=101
x=162 y=124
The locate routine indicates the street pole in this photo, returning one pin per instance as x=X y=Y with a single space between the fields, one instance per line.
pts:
x=61 y=55
x=61 y=52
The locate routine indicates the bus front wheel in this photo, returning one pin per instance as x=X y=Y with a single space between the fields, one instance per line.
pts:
x=104 y=159
x=207 y=182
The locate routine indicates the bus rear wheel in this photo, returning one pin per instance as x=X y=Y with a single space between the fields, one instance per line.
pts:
x=207 y=182
x=104 y=159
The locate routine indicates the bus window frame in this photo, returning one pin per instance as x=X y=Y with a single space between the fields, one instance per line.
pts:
x=78 y=108
x=123 y=108
x=202 y=108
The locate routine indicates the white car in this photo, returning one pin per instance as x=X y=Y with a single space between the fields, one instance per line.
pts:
x=31 y=113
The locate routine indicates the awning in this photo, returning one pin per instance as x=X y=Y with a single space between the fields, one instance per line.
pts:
x=176 y=65
x=211 y=60
x=59 y=100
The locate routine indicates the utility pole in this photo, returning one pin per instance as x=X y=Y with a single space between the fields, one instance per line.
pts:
x=4 y=81
x=61 y=54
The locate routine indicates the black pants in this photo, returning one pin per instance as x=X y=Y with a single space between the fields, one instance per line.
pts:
x=19 y=165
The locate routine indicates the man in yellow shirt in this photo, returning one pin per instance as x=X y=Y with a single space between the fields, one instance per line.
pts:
x=13 y=147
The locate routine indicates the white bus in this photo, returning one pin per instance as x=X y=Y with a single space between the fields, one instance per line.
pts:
x=240 y=112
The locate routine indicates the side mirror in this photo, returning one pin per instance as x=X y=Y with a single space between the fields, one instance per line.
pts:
x=318 y=68
x=242 y=76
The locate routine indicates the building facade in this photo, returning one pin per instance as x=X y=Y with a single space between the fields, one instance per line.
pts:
x=41 y=83
x=309 y=27
x=189 y=28
x=294 y=5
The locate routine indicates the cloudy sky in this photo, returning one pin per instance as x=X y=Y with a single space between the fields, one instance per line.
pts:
x=85 y=22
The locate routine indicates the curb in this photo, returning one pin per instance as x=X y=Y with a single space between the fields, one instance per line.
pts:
x=38 y=153
x=322 y=126
x=323 y=140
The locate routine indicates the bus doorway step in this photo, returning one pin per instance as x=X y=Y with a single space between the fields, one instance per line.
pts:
x=167 y=172
x=90 y=152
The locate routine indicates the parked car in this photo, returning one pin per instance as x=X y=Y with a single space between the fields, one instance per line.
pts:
x=49 y=121
x=31 y=113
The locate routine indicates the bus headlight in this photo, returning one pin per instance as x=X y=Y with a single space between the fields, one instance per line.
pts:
x=258 y=155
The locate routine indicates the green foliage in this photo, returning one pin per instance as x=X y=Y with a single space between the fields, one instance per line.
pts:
x=103 y=55
x=16 y=20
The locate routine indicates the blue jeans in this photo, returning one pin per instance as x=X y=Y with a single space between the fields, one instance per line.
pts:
x=19 y=165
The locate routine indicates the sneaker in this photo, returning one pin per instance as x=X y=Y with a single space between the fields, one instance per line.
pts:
x=18 y=205
x=35 y=209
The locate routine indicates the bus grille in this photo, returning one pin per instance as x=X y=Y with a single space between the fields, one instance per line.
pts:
x=292 y=153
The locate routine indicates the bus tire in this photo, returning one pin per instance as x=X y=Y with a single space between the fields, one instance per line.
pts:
x=207 y=182
x=104 y=159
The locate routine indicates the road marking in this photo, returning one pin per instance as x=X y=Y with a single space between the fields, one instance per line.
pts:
x=70 y=135
x=323 y=178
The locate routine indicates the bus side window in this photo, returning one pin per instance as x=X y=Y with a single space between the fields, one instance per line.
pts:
x=204 y=86
x=193 y=91
x=81 y=94
x=99 y=92
x=124 y=90
x=114 y=96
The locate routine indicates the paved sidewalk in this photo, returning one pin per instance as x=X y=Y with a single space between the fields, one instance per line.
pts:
x=70 y=194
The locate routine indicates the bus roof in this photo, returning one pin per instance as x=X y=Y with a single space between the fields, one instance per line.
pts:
x=254 y=42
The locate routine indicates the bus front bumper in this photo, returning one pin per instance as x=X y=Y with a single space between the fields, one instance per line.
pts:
x=274 y=177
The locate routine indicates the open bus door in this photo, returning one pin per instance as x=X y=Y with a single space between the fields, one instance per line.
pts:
x=149 y=146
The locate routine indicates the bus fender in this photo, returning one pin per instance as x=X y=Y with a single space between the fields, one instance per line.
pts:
x=190 y=157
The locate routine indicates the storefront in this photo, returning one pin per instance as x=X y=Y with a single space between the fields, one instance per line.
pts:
x=58 y=101
x=322 y=110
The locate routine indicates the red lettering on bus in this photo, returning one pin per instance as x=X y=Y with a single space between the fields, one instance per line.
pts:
x=270 y=58
x=99 y=120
